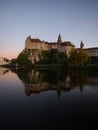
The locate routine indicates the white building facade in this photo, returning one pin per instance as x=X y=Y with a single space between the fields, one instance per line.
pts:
x=3 y=61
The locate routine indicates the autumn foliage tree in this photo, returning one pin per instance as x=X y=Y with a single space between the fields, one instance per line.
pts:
x=78 y=57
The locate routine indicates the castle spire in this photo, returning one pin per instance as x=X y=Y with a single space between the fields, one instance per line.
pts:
x=59 y=38
x=81 y=45
x=29 y=37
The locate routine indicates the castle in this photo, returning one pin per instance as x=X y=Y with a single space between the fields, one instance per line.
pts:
x=35 y=46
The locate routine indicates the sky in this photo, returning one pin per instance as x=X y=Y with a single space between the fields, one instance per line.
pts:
x=75 y=20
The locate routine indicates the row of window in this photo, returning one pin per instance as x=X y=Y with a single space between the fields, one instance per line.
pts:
x=92 y=52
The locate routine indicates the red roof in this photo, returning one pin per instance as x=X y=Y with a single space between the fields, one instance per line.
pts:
x=67 y=43
x=62 y=44
x=52 y=43
x=36 y=40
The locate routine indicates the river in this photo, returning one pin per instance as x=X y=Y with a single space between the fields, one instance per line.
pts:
x=48 y=99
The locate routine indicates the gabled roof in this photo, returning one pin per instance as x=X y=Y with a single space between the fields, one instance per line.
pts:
x=36 y=40
x=67 y=43
x=51 y=43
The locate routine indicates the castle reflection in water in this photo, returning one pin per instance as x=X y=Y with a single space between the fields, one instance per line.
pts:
x=37 y=81
x=57 y=98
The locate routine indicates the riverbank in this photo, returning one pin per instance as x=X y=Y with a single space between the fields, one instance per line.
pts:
x=89 y=67
x=48 y=65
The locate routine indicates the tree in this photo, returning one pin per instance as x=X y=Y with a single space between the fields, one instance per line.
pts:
x=14 y=61
x=78 y=57
x=62 y=57
x=52 y=56
x=49 y=57
x=23 y=59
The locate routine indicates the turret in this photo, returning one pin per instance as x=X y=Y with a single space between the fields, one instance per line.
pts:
x=81 y=45
x=29 y=37
x=59 y=39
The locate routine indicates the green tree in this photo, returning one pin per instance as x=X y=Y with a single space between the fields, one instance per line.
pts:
x=23 y=59
x=49 y=57
x=52 y=56
x=62 y=57
x=78 y=57
x=14 y=61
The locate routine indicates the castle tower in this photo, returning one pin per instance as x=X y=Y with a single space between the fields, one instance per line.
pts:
x=81 y=45
x=29 y=37
x=59 y=39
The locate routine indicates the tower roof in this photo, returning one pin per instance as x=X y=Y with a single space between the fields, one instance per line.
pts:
x=59 y=38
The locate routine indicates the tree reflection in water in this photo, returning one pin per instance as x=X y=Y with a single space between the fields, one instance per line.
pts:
x=36 y=81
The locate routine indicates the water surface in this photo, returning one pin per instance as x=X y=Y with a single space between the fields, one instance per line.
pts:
x=47 y=99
